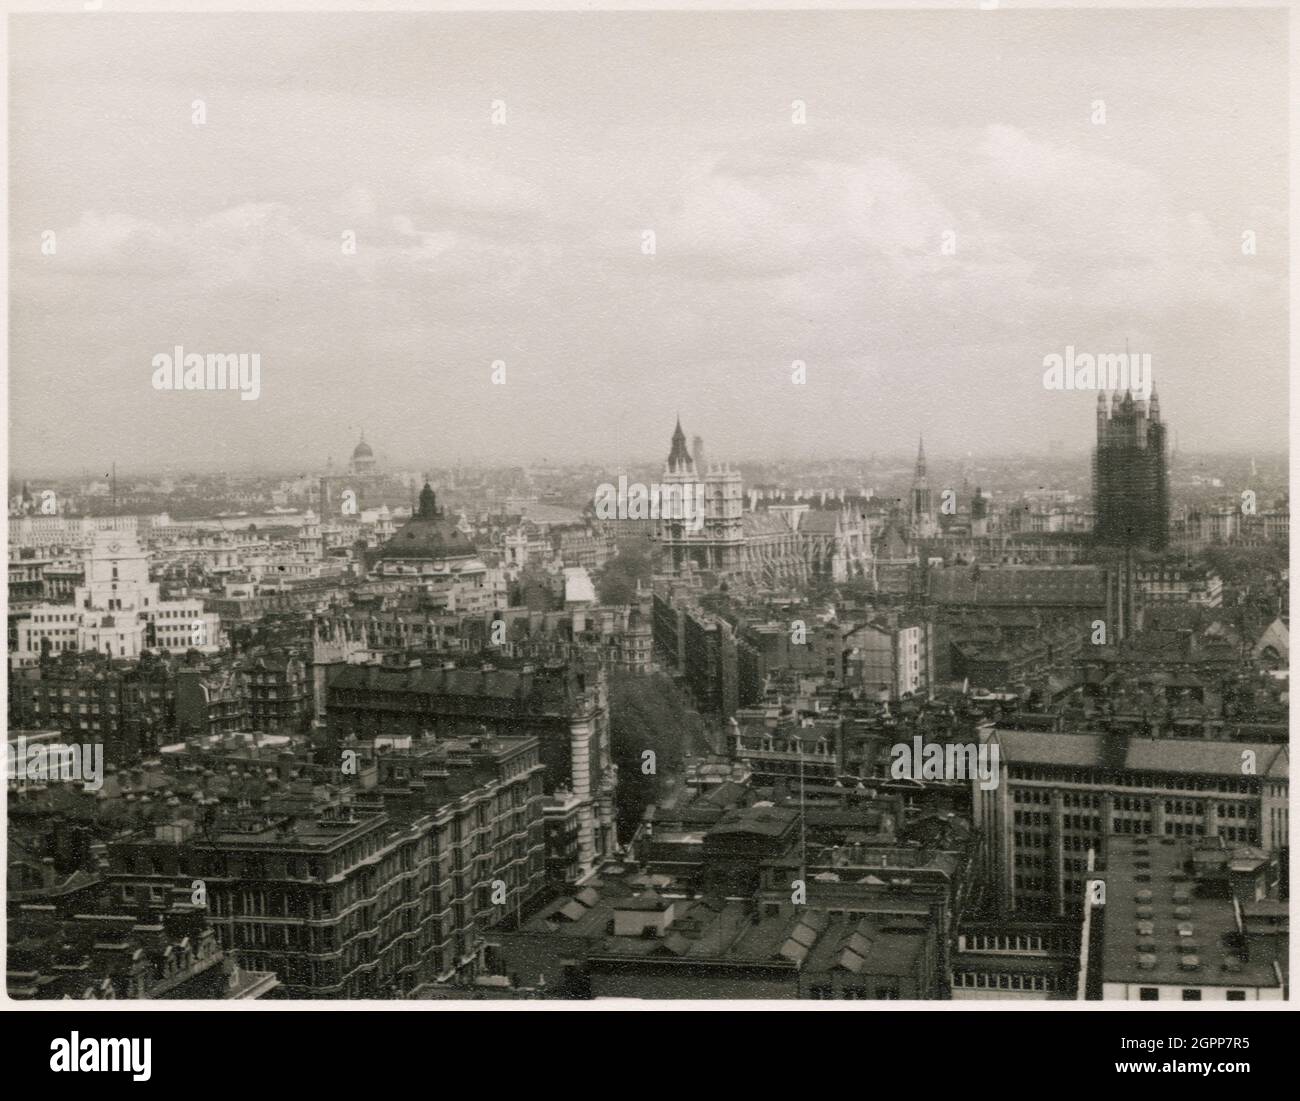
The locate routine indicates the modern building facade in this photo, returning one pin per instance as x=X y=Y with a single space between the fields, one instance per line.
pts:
x=1062 y=795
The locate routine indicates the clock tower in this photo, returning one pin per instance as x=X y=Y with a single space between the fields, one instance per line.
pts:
x=117 y=575
x=118 y=611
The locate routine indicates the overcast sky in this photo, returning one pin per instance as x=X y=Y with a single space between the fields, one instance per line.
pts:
x=774 y=242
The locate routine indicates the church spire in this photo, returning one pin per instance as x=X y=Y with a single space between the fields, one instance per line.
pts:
x=921 y=514
x=679 y=458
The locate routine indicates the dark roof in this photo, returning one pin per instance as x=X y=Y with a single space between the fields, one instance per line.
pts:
x=819 y=522
x=765 y=821
x=506 y=684
x=650 y=903
x=429 y=534
x=1178 y=755
x=1160 y=930
x=1025 y=585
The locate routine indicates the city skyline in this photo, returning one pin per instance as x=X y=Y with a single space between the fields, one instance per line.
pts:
x=650 y=508
x=898 y=461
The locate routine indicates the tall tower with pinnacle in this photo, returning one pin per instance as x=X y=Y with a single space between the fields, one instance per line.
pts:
x=1130 y=475
x=700 y=510
x=922 y=508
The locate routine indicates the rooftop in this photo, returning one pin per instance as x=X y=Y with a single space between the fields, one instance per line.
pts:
x=428 y=535
x=1170 y=755
x=1164 y=924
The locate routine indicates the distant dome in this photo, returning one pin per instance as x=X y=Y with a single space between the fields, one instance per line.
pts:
x=363 y=458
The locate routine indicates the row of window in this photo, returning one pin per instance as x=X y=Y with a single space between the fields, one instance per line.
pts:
x=1122 y=779
x=1086 y=822
x=1031 y=839
x=886 y=993
x=1152 y=994
x=1043 y=797
x=1001 y=942
x=979 y=980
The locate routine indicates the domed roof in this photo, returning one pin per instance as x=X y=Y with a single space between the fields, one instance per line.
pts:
x=429 y=534
x=362 y=450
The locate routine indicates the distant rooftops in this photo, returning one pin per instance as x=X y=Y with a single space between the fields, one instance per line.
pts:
x=1024 y=585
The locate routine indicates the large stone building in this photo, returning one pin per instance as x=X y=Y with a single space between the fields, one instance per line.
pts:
x=430 y=553
x=266 y=690
x=66 y=532
x=117 y=611
x=128 y=705
x=368 y=892
x=703 y=522
x=563 y=705
x=793 y=543
x=784 y=543
x=1130 y=474
x=1061 y=795
x=722 y=671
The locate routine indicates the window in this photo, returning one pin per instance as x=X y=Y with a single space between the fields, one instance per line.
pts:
x=1191 y=995
x=1236 y=995
x=1148 y=994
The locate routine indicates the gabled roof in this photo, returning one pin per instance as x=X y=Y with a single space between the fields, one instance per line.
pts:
x=572 y=910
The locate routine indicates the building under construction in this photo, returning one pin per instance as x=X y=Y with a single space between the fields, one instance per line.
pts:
x=1130 y=477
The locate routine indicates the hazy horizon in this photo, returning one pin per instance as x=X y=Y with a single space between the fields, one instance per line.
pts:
x=522 y=242
x=893 y=459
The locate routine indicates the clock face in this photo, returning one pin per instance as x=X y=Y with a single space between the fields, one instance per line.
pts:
x=114 y=547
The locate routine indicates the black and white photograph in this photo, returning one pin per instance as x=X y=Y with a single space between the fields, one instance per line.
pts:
x=646 y=508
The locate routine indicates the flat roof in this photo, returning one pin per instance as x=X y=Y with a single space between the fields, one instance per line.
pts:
x=1173 y=755
x=1159 y=930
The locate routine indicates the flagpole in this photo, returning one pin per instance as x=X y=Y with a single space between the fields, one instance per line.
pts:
x=803 y=840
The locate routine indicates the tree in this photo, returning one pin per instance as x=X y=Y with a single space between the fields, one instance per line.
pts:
x=647 y=713
x=618 y=580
